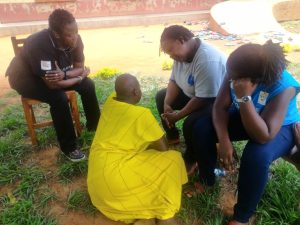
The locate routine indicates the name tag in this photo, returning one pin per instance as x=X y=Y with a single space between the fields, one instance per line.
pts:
x=45 y=65
x=262 y=98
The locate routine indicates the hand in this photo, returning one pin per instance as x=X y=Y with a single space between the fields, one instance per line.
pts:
x=54 y=75
x=86 y=72
x=226 y=155
x=167 y=108
x=170 y=118
x=166 y=121
x=243 y=87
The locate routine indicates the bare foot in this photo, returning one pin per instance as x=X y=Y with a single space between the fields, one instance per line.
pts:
x=171 y=221
x=145 y=222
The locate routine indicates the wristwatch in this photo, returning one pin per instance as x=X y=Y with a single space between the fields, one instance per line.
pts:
x=244 y=99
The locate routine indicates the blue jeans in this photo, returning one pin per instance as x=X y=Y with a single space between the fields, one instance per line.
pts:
x=255 y=162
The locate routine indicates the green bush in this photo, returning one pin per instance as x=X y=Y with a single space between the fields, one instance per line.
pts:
x=107 y=73
x=167 y=65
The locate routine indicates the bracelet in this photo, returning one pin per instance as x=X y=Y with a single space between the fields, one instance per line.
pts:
x=80 y=78
x=65 y=75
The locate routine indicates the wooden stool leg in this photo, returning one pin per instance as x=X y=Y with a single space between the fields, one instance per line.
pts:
x=32 y=114
x=29 y=116
x=75 y=113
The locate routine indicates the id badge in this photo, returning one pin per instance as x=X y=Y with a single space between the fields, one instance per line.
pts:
x=262 y=98
x=46 y=65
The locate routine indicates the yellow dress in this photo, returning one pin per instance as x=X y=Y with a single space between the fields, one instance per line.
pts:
x=127 y=181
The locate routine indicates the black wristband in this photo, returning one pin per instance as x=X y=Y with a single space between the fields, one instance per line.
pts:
x=65 y=75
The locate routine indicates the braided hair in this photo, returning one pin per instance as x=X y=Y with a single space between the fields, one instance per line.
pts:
x=261 y=63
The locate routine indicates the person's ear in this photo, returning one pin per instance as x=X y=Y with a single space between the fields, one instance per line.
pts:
x=56 y=35
x=181 y=40
x=135 y=92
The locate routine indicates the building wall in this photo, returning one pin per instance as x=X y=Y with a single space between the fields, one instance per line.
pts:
x=32 y=10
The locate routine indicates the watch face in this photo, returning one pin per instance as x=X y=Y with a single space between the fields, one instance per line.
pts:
x=246 y=99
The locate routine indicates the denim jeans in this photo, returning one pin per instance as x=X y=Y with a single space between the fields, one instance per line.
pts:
x=255 y=162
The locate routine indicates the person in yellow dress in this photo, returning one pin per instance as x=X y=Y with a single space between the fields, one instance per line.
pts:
x=132 y=177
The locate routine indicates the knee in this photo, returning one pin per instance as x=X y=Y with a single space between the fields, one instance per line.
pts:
x=203 y=135
x=255 y=157
x=88 y=85
x=189 y=123
x=203 y=127
x=188 y=126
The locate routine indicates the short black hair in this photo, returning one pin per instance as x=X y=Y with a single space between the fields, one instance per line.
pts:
x=59 y=18
x=176 y=32
x=261 y=63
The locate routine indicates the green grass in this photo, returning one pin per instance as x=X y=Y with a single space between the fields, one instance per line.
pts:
x=12 y=152
x=12 y=118
x=30 y=179
x=280 y=202
x=2 y=103
x=24 y=212
x=19 y=206
x=69 y=170
x=201 y=208
x=28 y=193
x=11 y=93
x=80 y=200
x=45 y=196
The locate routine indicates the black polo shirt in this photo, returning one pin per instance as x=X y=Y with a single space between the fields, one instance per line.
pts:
x=40 y=53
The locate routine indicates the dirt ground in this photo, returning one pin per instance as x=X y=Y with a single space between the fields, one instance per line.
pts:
x=130 y=49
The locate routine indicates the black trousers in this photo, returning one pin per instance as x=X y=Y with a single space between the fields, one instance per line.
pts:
x=188 y=124
x=35 y=88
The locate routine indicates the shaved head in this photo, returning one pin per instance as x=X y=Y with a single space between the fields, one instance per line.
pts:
x=127 y=88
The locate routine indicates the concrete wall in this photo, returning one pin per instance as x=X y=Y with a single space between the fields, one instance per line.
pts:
x=34 y=10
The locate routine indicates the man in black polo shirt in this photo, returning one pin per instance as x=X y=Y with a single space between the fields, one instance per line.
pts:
x=51 y=62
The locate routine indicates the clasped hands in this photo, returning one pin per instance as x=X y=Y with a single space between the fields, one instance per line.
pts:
x=169 y=116
x=58 y=75
x=54 y=75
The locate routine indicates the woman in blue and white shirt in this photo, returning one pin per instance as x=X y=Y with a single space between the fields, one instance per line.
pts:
x=257 y=102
